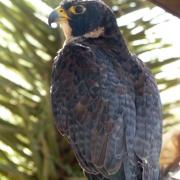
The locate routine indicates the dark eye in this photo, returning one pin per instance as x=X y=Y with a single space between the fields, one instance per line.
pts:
x=80 y=9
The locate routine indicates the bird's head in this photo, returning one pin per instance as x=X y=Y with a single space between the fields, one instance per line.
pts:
x=82 y=17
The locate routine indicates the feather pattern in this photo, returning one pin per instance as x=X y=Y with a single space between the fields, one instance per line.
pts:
x=107 y=104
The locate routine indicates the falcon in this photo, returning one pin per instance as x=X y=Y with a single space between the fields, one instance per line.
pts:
x=104 y=99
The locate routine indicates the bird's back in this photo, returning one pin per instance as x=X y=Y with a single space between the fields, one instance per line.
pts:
x=107 y=104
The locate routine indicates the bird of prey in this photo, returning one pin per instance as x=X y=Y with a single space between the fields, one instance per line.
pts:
x=104 y=99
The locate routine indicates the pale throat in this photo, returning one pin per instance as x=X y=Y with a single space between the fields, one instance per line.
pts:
x=67 y=30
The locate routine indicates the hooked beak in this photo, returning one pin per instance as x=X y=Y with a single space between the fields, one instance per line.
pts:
x=58 y=16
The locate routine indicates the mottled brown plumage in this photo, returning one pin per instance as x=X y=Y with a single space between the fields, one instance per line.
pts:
x=106 y=102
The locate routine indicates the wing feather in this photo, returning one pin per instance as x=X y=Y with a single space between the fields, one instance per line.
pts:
x=96 y=103
x=149 y=128
x=109 y=117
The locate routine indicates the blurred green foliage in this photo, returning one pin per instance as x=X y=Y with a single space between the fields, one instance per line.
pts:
x=30 y=147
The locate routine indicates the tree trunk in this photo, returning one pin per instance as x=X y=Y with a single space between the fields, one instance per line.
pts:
x=172 y=6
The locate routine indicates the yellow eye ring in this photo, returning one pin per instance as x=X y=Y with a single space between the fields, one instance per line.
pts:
x=79 y=9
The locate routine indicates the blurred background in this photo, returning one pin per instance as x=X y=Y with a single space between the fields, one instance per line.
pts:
x=30 y=147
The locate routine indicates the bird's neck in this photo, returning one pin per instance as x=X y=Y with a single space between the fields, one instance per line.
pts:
x=95 y=33
x=110 y=35
x=115 y=40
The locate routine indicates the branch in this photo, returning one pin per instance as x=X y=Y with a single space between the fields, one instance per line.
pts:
x=172 y=6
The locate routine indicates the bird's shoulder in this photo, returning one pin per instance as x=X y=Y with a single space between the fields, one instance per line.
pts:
x=74 y=52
